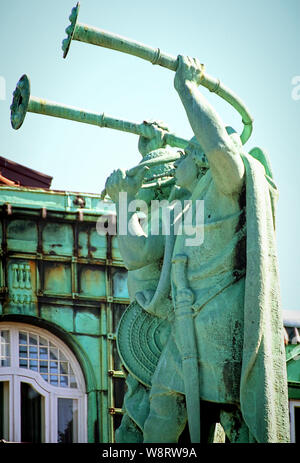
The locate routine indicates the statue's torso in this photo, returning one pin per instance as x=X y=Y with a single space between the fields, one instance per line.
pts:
x=215 y=273
x=220 y=259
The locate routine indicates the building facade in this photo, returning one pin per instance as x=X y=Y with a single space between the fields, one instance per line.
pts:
x=63 y=289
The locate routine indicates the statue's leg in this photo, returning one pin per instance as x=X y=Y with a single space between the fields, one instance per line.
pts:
x=128 y=431
x=167 y=417
x=136 y=407
x=234 y=426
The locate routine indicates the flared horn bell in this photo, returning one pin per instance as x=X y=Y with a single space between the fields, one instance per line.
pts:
x=70 y=29
x=20 y=103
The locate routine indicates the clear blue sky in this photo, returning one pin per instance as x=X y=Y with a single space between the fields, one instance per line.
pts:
x=253 y=47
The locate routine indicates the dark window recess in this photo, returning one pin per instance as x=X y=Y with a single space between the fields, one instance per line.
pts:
x=117 y=420
x=1 y=410
x=116 y=358
x=119 y=391
x=118 y=310
x=31 y=411
x=297 y=424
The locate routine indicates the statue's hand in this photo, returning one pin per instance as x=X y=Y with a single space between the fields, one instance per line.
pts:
x=119 y=181
x=153 y=136
x=188 y=69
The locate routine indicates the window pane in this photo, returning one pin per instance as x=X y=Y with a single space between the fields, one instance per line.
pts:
x=22 y=337
x=73 y=383
x=33 y=352
x=43 y=341
x=31 y=414
x=53 y=353
x=64 y=381
x=67 y=421
x=23 y=352
x=33 y=339
x=43 y=366
x=4 y=336
x=64 y=368
x=39 y=354
x=43 y=352
x=4 y=410
x=4 y=349
x=54 y=367
x=23 y=363
x=54 y=380
x=33 y=365
x=62 y=357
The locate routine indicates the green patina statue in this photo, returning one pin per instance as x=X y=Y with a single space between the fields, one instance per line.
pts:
x=202 y=340
x=143 y=275
x=222 y=359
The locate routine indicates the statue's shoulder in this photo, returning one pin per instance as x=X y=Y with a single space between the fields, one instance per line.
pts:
x=262 y=156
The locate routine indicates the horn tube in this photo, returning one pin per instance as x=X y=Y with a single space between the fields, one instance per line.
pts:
x=101 y=38
x=23 y=102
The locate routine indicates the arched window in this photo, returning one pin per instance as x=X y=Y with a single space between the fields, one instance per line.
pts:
x=42 y=388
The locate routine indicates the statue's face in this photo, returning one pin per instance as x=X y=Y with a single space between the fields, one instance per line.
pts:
x=187 y=171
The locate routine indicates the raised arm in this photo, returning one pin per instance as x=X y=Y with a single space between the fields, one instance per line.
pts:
x=136 y=247
x=225 y=162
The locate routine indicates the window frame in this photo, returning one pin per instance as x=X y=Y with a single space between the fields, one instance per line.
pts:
x=14 y=375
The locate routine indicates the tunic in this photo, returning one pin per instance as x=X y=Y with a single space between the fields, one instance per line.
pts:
x=215 y=274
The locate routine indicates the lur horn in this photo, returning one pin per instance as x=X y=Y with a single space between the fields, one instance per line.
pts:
x=23 y=102
x=95 y=36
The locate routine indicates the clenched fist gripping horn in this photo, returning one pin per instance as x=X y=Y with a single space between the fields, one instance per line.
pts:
x=101 y=38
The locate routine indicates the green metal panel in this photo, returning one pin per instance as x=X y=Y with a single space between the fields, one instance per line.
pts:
x=115 y=249
x=90 y=243
x=61 y=316
x=98 y=245
x=56 y=271
x=58 y=239
x=22 y=236
x=119 y=282
x=57 y=278
x=92 y=281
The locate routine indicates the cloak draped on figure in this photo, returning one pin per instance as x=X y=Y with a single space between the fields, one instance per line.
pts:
x=263 y=389
x=262 y=380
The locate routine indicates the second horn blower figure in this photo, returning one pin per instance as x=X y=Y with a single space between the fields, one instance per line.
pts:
x=233 y=277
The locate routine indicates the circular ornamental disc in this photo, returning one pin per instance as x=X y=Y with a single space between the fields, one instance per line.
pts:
x=140 y=340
